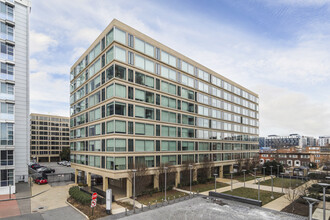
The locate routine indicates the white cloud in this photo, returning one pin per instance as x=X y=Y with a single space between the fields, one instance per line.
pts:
x=40 y=42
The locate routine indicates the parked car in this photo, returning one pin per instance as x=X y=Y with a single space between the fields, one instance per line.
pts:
x=41 y=180
x=68 y=164
x=63 y=162
x=36 y=166
x=45 y=170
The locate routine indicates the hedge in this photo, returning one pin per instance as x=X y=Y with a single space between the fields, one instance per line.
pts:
x=79 y=196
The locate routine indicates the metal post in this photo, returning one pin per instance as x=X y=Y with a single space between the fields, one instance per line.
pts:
x=255 y=175
x=282 y=181
x=9 y=191
x=190 y=167
x=290 y=179
x=215 y=182
x=324 y=203
x=278 y=170
x=231 y=181
x=258 y=189
x=324 y=186
x=165 y=168
x=134 y=171
x=244 y=176
x=272 y=197
x=264 y=172
x=310 y=211
x=271 y=170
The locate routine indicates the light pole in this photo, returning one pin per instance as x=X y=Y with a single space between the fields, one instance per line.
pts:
x=282 y=181
x=278 y=170
x=215 y=182
x=290 y=177
x=165 y=168
x=190 y=167
x=244 y=176
x=259 y=180
x=264 y=168
x=231 y=181
x=255 y=174
x=311 y=202
x=272 y=197
x=271 y=170
x=324 y=186
x=134 y=171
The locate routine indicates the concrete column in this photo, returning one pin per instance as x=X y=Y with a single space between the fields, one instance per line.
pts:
x=76 y=176
x=89 y=179
x=129 y=190
x=105 y=183
x=177 y=178
x=48 y=159
x=221 y=171
x=156 y=181
x=194 y=174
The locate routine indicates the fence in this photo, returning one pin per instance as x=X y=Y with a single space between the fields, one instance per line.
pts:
x=60 y=177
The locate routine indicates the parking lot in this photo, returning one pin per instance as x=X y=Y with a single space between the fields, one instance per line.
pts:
x=58 y=168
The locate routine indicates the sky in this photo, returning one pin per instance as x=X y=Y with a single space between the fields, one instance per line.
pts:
x=278 y=49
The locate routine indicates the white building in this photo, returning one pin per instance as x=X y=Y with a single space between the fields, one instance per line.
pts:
x=324 y=141
x=14 y=93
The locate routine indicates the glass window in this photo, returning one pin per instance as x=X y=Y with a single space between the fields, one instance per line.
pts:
x=139 y=45
x=120 y=90
x=149 y=50
x=120 y=54
x=120 y=163
x=168 y=146
x=139 y=112
x=140 y=95
x=139 y=61
x=120 y=126
x=120 y=72
x=109 y=55
x=187 y=146
x=109 y=37
x=120 y=36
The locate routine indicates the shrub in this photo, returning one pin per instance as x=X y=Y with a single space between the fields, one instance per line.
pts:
x=79 y=196
x=194 y=183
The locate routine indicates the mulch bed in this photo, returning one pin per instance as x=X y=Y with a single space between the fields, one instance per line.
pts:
x=299 y=208
x=99 y=210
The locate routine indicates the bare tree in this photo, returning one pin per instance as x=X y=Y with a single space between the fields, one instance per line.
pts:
x=292 y=195
x=240 y=163
x=170 y=176
x=185 y=173
x=254 y=162
x=205 y=171
x=142 y=180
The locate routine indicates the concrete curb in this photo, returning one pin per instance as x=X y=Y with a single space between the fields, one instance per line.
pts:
x=80 y=212
x=28 y=197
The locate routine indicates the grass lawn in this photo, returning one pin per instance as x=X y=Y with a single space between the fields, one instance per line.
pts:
x=204 y=187
x=286 y=182
x=145 y=199
x=253 y=194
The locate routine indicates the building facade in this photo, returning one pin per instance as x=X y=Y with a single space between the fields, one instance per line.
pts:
x=49 y=135
x=14 y=93
x=324 y=141
x=135 y=101
x=292 y=140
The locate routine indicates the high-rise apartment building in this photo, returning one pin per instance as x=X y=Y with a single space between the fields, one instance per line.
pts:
x=14 y=93
x=49 y=135
x=136 y=101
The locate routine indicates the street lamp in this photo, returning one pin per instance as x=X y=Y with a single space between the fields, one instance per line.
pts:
x=278 y=170
x=215 y=182
x=231 y=181
x=259 y=180
x=255 y=174
x=272 y=197
x=264 y=168
x=311 y=202
x=190 y=167
x=282 y=181
x=134 y=171
x=324 y=186
x=290 y=177
x=244 y=176
x=165 y=168
x=271 y=170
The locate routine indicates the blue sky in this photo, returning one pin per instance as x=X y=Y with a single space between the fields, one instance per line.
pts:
x=278 y=49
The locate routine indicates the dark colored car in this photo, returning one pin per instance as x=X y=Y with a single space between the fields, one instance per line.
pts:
x=36 y=166
x=45 y=170
x=41 y=180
